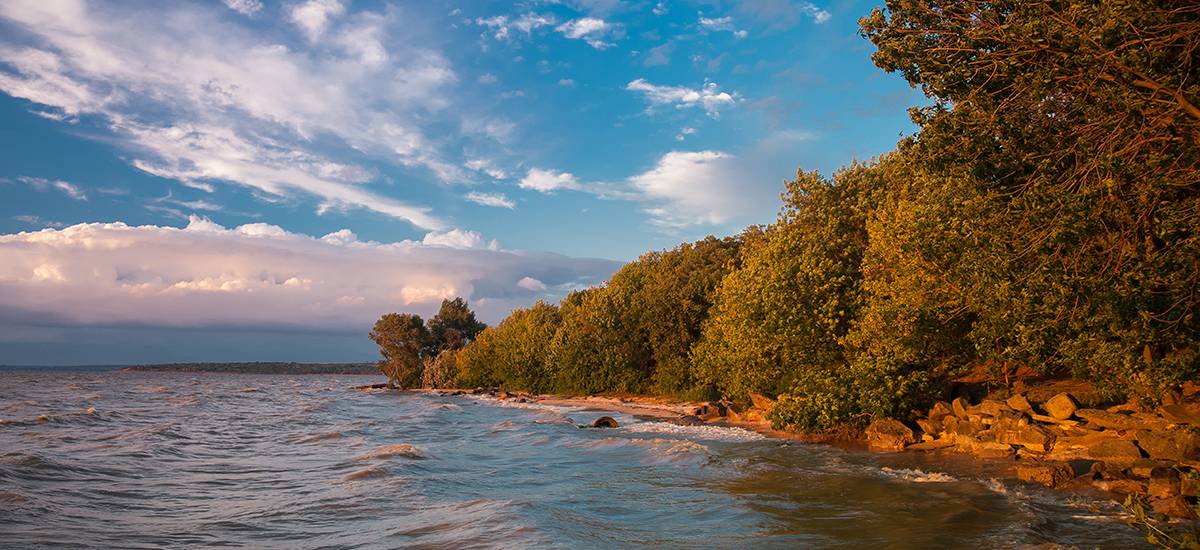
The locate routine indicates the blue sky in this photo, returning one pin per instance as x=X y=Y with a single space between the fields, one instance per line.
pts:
x=286 y=171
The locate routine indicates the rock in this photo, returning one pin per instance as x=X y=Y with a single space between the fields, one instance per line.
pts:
x=1105 y=419
x=1019 y=403
x=940 y=410
x=1061 y=406
x=930 y=445
x=1051 y=420
x=960 y=406
x=1145 y=467
x=709 y=411
x=929 y=426
x=762 y=402
x=688 y=420
x=1176 y=507
x=955 y=427
x=604 y=422
x=1177 y=445
x=1164 y=483
x=1115 y=450
x=1120 y=486
x=1182 y=413
x=1050 y=474
x=1034 y=438
x=1189 y=486
x=983 y=449
x=991 y=407
x=889 y=434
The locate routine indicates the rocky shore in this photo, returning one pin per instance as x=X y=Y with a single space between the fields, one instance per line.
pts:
x=1053 y=442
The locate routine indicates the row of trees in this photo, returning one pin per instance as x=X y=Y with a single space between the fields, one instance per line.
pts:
x=1046 y=215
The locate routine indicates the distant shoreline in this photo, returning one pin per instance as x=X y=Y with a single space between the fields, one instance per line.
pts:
x=258 y=367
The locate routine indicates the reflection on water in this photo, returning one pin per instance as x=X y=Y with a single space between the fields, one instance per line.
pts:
x=148 y=460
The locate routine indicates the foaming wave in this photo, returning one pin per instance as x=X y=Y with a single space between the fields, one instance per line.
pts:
x=710 y=433
x=512 y=404
x=659 y=450
x=917 y=476
x=404 y=450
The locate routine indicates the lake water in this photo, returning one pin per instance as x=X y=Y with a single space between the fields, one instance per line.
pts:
x=149 y=460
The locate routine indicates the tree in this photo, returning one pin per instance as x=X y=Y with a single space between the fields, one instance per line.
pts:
x=453 y=326
x=403 y=341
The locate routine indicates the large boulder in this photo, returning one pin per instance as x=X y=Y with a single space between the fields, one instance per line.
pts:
x=1061 y=406
x=1177 y=445
x=889 y=434
x=960 y=406
x=982 y=448
x=940 y=410
x=1032 y=437
x=1164 y=483
x=1019 y=403
x=1050 y=474
x=991 y=407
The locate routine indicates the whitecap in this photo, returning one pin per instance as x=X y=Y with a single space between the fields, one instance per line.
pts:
x=706 y=432
x=917 y=476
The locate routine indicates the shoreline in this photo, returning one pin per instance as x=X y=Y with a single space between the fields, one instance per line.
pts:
x=1073 y=476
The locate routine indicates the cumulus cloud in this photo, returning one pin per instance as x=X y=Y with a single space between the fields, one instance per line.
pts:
x=112 y=274
x=531 y=284
x=497 y=200
x=546 y=181
x=244 y=7
x=589 y=29
x=709 y=97
x=459 y=238
x=500 y=27
x=65 y=187
x=314 y=15
x=782 y=14
x=203 y=98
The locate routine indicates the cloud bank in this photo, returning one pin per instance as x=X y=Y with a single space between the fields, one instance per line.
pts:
x=260 y=275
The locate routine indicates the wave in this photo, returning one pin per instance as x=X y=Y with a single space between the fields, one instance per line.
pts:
x=917 y=476
x=398 y=450
x=373 y=472
x=317 y=437
x=707 y=432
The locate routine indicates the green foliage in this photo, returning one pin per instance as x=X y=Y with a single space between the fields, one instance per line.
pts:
x=440 y=371
x=402 y=339
x=453 y=326
x=1157 y=527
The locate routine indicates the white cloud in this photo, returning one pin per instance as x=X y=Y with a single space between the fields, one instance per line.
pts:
x=459 y=238
x=42 y=184
x=244 y=7
x=589 y=29
x=107 y=274
x=782 y=14
x=717 y=23
x=497 y=200
x=501 y=26
x=487 y=78
x=531 y=284
x=37 y=221
x=660 y=9
x=709 y=97
x=202 y=98
x=566 y=82
x=684 y=133
x=313 y=16
x=546 y=181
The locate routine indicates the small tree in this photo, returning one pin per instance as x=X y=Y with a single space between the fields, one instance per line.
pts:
x=454 y=326
x=403 y=341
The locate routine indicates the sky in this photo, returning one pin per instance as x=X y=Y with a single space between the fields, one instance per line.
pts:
x=259 y=180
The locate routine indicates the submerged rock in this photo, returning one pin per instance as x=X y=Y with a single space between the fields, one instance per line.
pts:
x=889 y=434
x=605 y=422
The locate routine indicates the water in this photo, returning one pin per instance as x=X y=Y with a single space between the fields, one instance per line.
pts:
x=149 y=460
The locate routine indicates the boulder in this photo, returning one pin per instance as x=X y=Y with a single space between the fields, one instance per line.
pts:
x=711 y=410
x=1104 y=419
x=1115 y=450
x=1182 y=413
x=1120 y=486
x=930 y=445
x=991 y=407
x=1189 y=486
x=1164 y=483
x=1050 y=474
x=1019 y=403
x=960 y=406
x=983 y=449
x=1061 y=406
x=1176 y=507
x=929 y=426
x=889 y=434
x=1051 y=420
x=1032 y=437
x=605 y=422
x=762 y=402
x=1177 y=445
x=940 y=410
x=1145 y=467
